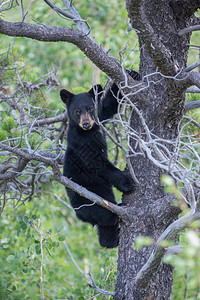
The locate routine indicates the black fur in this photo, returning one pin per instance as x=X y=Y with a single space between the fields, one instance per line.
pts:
x=86 y=161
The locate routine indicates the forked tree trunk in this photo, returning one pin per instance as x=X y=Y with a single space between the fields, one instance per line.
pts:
x=150 y=209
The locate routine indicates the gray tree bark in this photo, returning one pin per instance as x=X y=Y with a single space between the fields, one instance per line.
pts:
x=150 y=209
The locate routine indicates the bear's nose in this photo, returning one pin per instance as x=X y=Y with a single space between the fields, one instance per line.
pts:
x=86 y=125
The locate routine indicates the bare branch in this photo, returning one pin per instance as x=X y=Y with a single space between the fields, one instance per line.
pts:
x=59 y=10
x=192 y=66
x=192 y=121
x=120 y=211
x=4 y=3
x=55 y=34
x=188 y=30
x=16 y=169
x=196 y=47
x=193 y=78
x=93 y=285
x=79 y=22
x=34 y=155
x=193 y=90
x=74 y=15
x=192 y=105
x=47 y=121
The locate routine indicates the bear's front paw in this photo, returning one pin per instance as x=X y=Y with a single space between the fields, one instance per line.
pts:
x=126 y=185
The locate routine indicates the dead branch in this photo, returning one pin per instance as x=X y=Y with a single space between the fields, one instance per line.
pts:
x=35 y=156
x=193 y=90
x=188 y=30
x=192 y=105
x=192 y=66
x=55 y=34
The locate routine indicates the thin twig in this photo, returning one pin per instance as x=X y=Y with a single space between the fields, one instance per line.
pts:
x=42 y=257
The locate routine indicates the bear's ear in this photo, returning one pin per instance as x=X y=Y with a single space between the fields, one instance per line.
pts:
x=96 y=89
x=66 y=96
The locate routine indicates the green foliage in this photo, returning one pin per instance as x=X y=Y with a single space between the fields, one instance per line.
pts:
x=3 y=135
x=20 y=249
x=7 y=128
x=20 y=253
x=170 y=186
x=187 y=267
x=142 y=241
x=20 y=244
x=74 y=68
x=8 y=124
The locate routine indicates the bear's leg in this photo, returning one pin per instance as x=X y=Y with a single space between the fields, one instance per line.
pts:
x=107 y=228
x=107 y=222
x=108 y=235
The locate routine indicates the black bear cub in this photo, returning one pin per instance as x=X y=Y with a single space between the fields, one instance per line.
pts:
x=86 y=161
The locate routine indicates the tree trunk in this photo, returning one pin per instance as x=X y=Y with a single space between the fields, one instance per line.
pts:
x=150 y=209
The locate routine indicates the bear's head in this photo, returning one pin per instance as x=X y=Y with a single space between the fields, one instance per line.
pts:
x=81 y=107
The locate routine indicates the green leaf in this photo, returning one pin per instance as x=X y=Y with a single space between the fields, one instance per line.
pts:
x=24 y=270
x=38 y=249
x=35 y=217
x=19 y=232
x=55 y=244
x=19 y=218
x=25 y=219
x=23 y=226
x=10 y=259
x=28 y=234
x=61 y=238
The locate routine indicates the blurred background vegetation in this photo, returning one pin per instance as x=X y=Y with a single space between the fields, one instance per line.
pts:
x=20 y=253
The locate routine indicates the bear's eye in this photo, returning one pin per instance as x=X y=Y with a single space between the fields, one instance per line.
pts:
x=78 y=112
x=90 y=109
